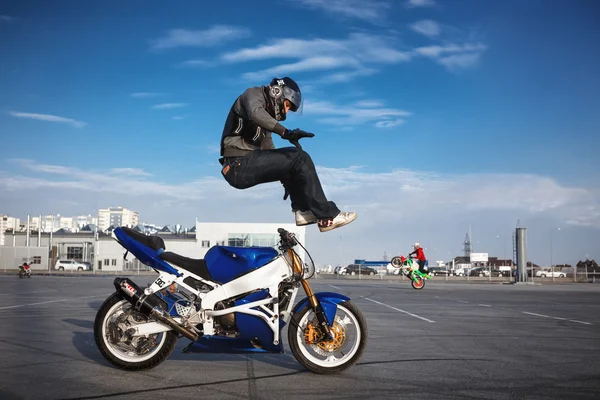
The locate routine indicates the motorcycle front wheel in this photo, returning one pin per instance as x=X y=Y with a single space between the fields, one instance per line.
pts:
x=396 y=262
x=418 y=283
x=326 y=357
x=113 y=319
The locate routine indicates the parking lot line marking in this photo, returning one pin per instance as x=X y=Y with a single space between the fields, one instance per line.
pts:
x=335 y=287
x=462 y=301
x=27 y=293
x=537 y=315
x=484 y=305
x=51 y=301
x=558 y=318
x=399 y=310
x=580 y=322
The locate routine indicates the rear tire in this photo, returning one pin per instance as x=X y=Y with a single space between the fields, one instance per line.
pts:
x=163 y=350
x=309 y=355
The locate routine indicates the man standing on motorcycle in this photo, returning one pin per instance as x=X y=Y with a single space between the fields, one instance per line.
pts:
x=249 y=157
x=418 y=250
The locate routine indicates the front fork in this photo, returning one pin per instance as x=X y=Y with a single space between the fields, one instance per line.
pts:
x=312 y=299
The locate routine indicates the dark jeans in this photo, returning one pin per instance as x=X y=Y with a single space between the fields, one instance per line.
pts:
x=422 y=266
x=292 y=167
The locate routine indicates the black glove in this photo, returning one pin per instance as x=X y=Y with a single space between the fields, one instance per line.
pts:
x=294 y=135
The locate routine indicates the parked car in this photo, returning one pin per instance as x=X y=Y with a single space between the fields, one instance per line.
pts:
x=480 y=271
x=339 y=270
x=548 y=273
x=353 y=269
x=71 y=265
x=435 y=271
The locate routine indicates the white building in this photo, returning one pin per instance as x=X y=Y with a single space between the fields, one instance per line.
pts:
x=209 y=234
x=3 y=227
x=82 y=220
x=105 y=254
x=117 y=216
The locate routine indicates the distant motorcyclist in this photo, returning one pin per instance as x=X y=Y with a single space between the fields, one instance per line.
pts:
x=421 y=259
x=249 y=156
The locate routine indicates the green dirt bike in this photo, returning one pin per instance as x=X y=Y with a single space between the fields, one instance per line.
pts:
x=410 y=269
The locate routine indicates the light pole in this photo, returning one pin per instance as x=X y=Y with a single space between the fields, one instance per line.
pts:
x=498 y=237
x=551 y=264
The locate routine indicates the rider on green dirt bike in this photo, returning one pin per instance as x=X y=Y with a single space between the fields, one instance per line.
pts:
x=422 y=260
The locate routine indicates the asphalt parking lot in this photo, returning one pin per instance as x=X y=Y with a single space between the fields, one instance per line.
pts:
x=447 y=341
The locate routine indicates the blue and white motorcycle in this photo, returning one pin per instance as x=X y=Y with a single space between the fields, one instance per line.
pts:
x=235 y=300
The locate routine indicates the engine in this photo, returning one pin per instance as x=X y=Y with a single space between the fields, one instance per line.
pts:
x=225 y=324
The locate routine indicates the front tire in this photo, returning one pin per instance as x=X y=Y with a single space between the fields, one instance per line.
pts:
x=396 y=262
x=117 y=353
x=349 y=328
x=418 y=283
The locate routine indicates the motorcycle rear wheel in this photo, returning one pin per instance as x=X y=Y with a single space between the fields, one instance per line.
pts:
x=118 y=355
x=334 y=356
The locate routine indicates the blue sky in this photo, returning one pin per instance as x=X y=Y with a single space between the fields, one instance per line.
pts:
x=429 y=115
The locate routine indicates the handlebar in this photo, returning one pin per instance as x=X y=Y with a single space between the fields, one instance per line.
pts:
x=288 y=239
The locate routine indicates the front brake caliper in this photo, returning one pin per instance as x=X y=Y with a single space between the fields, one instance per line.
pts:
x=312 y=334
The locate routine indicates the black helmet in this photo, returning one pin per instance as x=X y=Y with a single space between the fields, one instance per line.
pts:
x=281 y=89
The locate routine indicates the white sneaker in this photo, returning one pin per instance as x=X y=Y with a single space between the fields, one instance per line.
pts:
x=341 y=219
x=305 y=218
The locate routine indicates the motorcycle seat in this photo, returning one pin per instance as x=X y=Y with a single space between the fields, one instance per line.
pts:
x=152 y=241
x=195 y=266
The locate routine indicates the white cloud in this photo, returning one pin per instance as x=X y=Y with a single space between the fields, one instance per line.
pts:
x=48 y=117
x=142 y=95
x=358 y=54
x=216 y=35
x=346 y=76
x=7 y=18
x=432 y=208
x=345 y=115
x=194 y=63
x=460 y=61
x=427 y=28
x=453 y=56
x=389 y=123
x=124 y=171
x=308 y=64
x=436 y=50
x=371 y=10
x=419 y=3
x=369 y=104
x=168 y=106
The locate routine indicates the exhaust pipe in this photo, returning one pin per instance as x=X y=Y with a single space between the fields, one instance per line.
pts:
x=151 y=306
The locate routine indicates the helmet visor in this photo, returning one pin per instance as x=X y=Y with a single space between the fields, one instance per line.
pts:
x=294 y=97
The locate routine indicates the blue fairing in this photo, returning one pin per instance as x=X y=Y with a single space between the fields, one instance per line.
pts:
x=144 y=253
x=329 y=302
x=226 y=263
